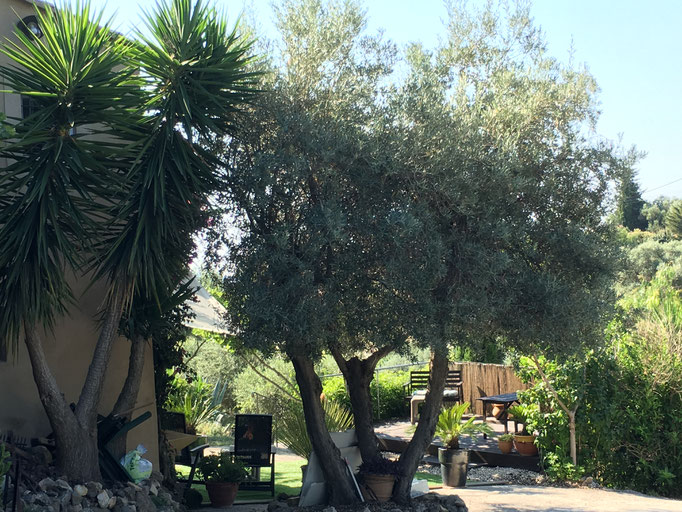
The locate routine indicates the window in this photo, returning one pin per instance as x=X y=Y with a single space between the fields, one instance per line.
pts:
x=29 y=106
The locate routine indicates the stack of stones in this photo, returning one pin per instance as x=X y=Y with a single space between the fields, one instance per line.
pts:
x=57 y=495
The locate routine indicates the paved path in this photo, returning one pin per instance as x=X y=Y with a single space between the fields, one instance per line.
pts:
x=519 y=498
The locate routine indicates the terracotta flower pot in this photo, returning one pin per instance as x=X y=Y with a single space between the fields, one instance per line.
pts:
x=505 y=446
x=380 y=485
x=525 y=445
x=222 y=494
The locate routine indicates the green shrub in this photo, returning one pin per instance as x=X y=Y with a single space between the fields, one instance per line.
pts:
x=292 y=429
x=197 y=400
x=391 y=403
x=628 y=425
x=221 y=468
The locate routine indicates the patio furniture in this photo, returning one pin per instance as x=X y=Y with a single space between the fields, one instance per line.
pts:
x=419 y=381
x=175 y=427
x=253 y=446
x=506 y=400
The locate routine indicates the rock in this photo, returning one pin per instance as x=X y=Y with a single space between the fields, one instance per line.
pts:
x=63 y=485
x=154 y=487
x=144 y=503
x=41 y=499
x=42 y=455
x=81 y=490
x=112 y=502
x=94 y=488
x=74 y=508
x=156 y=476
x=165 y=496
x=47 y=485
x=129 y=493
x=124 y=508
x=588 y=480
x=134 y=486
x=76 y=498
x=282 y=505
x=103 y=499
x=329 y=509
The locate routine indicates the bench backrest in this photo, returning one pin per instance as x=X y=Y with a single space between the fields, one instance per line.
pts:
x=419 y=379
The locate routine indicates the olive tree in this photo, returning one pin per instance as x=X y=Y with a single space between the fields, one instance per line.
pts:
x=377 y=210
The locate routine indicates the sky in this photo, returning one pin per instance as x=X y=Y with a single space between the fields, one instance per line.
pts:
x=632 y=47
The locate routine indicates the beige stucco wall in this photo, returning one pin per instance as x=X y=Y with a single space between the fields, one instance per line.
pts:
x=69 y=348
x=69 y=351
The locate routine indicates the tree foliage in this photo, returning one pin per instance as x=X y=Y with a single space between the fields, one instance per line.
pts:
x=629 y=203
x=106 y=180
x=673 y=219
x=628 y=425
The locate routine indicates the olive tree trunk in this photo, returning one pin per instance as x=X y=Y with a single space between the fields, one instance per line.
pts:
x=358 y=374
x=423 y=435
x=339 y=487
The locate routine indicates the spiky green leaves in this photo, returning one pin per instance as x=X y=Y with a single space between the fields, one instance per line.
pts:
x=107 y=175
x=52 y=191
x=197 y=74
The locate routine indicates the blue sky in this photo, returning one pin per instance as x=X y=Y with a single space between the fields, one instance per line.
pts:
x=632 y=47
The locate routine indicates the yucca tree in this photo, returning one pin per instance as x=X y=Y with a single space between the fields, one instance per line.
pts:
x=118 y=199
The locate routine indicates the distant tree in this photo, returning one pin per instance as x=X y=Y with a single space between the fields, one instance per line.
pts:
x=673 y=219
x=629 y=203
x=655 y=211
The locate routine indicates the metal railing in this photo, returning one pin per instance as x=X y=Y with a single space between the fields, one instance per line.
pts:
x=376 y=372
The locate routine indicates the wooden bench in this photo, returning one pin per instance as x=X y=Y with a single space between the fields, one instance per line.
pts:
x=419 y=381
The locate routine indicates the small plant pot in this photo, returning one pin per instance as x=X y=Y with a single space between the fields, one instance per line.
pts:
x=525 y=445
x=381 y=486
x=505 y=446
x=453 y=466
x=222 y=494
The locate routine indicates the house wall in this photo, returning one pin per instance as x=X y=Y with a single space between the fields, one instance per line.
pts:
x=70 y=346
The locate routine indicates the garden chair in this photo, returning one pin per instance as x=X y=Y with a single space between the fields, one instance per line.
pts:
x=416 y=389
x=253 y=446
x=175 y=422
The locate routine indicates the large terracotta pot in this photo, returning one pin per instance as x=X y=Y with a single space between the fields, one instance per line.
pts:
x=525 y=445
x=222 y=494
x=453 y=466
x=380 y=485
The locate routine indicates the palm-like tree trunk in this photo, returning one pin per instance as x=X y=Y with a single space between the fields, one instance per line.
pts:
x=75 y=430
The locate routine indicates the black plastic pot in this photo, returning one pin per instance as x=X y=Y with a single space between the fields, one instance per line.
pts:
x=453 y=466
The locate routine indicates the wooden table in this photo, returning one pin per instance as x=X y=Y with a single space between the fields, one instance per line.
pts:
x=506 y=400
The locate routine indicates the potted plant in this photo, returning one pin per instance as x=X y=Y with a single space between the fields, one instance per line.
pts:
x=379 y=475
x=453 y=461
x=505 y=443
x=525 y=441
x=222 y=476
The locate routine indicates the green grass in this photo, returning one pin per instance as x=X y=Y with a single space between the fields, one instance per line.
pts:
x=287 y=480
